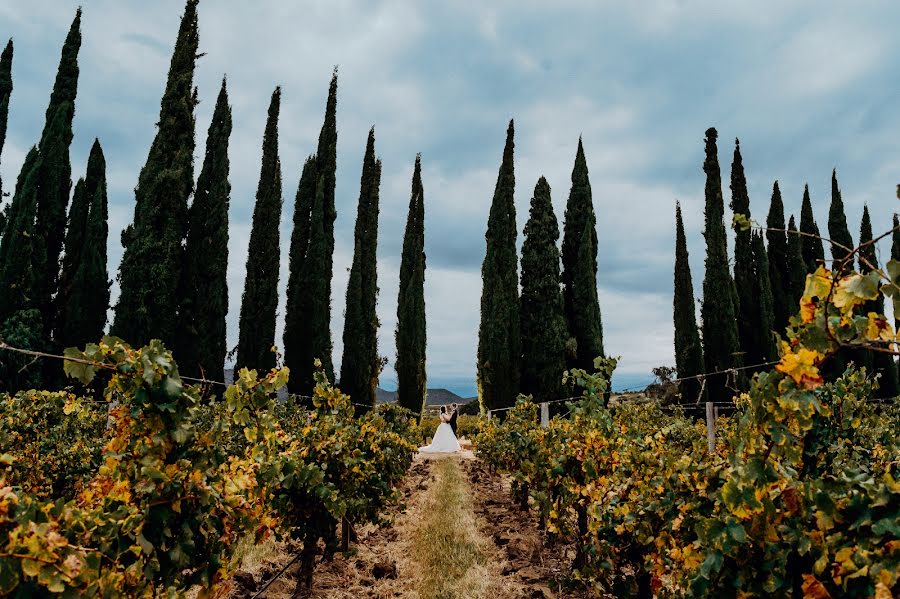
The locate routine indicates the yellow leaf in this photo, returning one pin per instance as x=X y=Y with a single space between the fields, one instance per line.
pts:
x=801 y=366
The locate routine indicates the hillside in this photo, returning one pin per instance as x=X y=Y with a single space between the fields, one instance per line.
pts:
x=435 y=397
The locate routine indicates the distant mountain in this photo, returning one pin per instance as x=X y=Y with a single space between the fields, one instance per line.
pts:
x=434 y=397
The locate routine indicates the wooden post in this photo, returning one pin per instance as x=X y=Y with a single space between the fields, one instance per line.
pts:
x=711 y=427
x=489 y=414
x=545 y=415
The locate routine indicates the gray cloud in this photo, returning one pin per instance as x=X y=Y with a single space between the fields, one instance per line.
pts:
x=806 y=86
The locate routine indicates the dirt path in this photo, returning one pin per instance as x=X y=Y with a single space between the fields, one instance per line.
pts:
x=457 y=535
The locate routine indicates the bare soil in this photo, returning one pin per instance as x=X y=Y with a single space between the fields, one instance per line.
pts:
x=381 y=563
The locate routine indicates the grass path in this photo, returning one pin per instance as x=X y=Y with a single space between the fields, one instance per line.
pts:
x=456 y=536
x=449 y=555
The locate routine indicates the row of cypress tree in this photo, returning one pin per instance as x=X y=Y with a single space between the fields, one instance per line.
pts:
x=173 y=272
x=526 y=341
x=743 y=310
x=54 y=289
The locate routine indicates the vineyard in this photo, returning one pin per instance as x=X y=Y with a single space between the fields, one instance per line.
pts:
x=801 y=496
x=156 y=502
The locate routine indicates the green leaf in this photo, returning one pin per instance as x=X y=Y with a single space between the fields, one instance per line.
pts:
x=736 y=532
x=78 y=370
x=891 y=525
x=9 y=576
x=712 y=564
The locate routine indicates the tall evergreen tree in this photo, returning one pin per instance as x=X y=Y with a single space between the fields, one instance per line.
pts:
x=326 y=169
x=201 y=344
x=55 y=176
x=543 y=329
x=76 y=229
x=762 y=347
x=21 y=252
x=837 y=224
x=779 y=273
x=582 y=306
x=813 y=248
x=314 y=332
x=880 y=362
x=796 y=267
x=412 y=378
x=719 y=323
x=745 y=282
x=688 y=349
x=297 y=344
x=499 y=345
x=150 y=272
x=360 y=365
x=68 y=332
x=21 y=259
x=6 y=87
x=259 y=304
x=86 y=294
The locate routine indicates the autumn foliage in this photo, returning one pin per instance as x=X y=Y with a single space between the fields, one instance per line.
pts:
x=800 y=498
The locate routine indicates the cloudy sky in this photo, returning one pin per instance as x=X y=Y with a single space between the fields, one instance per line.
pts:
x=807 y=86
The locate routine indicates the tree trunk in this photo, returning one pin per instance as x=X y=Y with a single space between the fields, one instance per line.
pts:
x=580 y=553
x=303 y=590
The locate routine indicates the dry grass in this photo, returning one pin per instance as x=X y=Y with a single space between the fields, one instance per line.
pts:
x=253 y=558
x=449 y=553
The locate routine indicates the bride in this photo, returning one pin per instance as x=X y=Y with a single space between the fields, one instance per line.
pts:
x=444 y=440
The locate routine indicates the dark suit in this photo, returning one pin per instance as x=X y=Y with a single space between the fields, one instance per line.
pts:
x=453 y=421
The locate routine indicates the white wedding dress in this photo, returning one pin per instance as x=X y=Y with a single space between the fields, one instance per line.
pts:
x=444 y=441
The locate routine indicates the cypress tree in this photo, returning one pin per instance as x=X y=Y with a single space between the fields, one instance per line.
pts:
x=256 y=334
x=83 y=314
x=298 y=346
x=582 y=307
x=326 y=169
x=55 y=176
x=76 y=230
x=296 y=342
x=499 y=345
x=410 y=365
x=360 y=365
x=21 y=258
x=201 y=344
x=543 y=328
x=837 y=224
x=812 y=247
x=881 y=363
x=763 y=343
x=745 y=282
x=313 y=332
x=21 y=252
x=688 y=350
x=73 y=313
x=779 y=273
x=6 y=87
x=796 y=267
x=150 y=273
x=719 y=322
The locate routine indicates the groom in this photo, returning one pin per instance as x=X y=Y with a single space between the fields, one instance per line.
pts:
x=453 y=414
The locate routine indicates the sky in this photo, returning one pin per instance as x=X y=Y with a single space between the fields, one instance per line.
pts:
x=806 y=86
